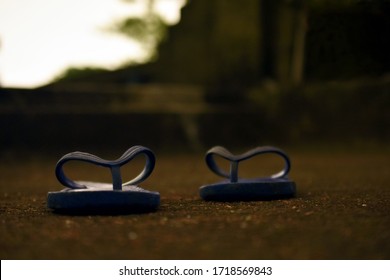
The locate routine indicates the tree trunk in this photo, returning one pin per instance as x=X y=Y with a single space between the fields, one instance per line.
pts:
x=283 y=31
x=298 y=48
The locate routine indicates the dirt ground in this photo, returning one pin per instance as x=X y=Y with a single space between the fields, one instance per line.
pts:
x=341 y=211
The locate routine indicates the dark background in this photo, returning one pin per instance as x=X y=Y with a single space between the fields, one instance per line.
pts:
x=236 y=74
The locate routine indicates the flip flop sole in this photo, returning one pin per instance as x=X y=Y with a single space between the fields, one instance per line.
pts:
x=103 y=201
x=248 y=190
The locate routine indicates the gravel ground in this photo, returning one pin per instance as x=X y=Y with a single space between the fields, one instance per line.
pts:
x=341 y=211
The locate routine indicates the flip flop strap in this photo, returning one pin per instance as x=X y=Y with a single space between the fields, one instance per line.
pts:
x=114 y=166
x=236 y=159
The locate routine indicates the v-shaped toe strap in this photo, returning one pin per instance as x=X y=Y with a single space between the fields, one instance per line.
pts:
x=234 y=160
x=114 y=166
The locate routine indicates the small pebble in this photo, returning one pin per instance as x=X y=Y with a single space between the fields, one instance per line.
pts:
x=132 y=235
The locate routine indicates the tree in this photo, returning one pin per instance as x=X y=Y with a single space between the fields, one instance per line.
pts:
x=283 y=27
x=149 y=29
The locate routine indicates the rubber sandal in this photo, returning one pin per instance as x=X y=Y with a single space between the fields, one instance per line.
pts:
x=276 y=186
x=95 y=197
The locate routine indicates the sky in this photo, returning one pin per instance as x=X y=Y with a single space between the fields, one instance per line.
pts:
x=39 y=39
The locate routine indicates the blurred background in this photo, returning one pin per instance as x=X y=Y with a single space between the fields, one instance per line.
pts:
x=183 y=75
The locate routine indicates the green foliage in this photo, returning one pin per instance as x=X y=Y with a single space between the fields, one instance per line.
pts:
x=75 y=73
x=148 y=30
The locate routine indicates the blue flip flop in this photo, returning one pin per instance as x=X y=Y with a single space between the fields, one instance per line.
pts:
x=96 y=197
x=276 y=186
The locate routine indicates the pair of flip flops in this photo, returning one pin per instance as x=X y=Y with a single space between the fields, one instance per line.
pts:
x=84 y=196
